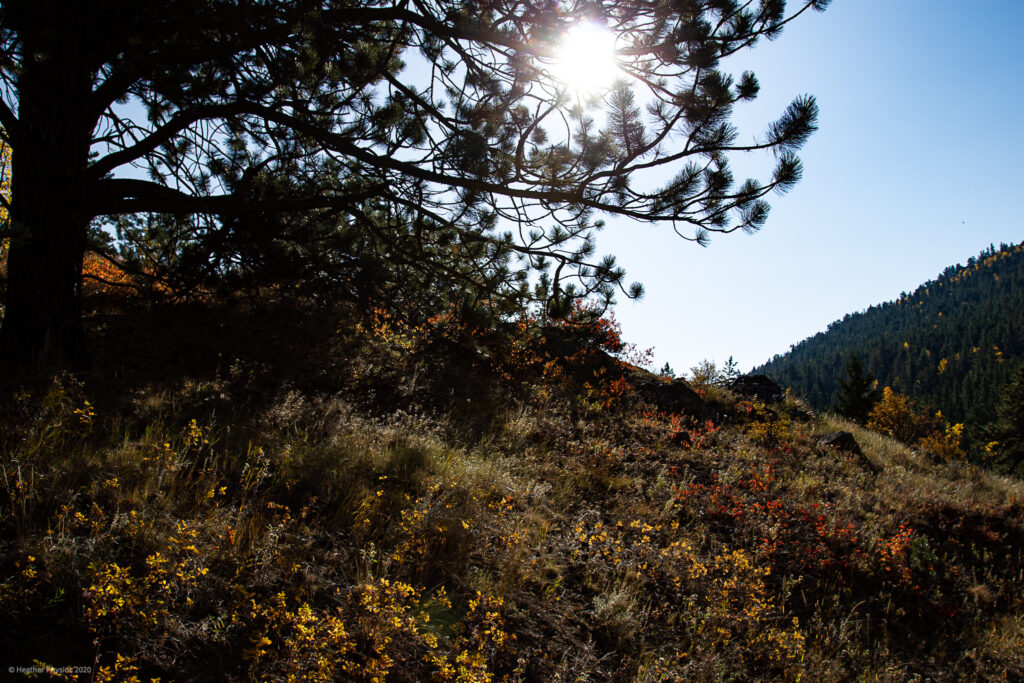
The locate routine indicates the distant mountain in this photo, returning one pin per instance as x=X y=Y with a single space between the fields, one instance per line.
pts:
x=951 y=344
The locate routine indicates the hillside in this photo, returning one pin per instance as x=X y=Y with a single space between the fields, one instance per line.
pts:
x=950 y=344
x=347 y=497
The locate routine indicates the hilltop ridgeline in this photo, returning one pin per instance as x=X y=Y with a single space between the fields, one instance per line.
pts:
x=950 y=345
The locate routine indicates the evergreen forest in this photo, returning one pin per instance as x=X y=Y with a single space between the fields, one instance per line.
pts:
x=951 y=345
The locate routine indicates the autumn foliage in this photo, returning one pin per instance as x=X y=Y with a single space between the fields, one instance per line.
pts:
x=895 y=415
x=228 y=526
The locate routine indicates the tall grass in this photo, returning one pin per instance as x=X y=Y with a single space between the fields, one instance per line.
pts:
x=548 y=533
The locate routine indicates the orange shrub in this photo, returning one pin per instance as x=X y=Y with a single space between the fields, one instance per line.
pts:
x=896 y=416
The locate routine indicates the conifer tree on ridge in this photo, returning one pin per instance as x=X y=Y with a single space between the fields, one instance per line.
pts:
x=858 y=393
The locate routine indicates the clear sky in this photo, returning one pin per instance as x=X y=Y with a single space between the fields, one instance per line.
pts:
x=916 y=166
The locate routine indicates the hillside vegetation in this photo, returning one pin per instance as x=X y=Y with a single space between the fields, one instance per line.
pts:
x=950 y=345
x=356 y=498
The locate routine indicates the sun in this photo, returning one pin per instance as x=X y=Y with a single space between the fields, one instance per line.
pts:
x=585 y=61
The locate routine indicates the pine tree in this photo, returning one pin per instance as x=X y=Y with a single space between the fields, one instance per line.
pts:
x=1009 y=428
x=858 y=393
x=730 y=371
x=476 y=173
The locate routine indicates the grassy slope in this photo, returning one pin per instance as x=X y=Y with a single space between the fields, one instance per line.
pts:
x=426 y=518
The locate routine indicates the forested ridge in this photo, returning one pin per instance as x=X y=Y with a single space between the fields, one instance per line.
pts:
x=950 y=345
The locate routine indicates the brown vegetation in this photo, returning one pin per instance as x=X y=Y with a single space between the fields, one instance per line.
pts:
x=441 y=503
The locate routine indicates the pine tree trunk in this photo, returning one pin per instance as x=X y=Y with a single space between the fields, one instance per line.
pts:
x=42 y=318
x=42 y=322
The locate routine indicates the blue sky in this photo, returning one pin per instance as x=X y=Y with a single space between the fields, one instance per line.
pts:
x=916 y=166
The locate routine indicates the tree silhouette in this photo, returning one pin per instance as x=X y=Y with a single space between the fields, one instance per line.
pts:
x=429 y=132
x=1008 y=430
x=858 y=393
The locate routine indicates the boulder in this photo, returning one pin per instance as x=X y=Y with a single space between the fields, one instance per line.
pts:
x=673 y=396
x=761 y=387
x=561 y=344
x=844 y=441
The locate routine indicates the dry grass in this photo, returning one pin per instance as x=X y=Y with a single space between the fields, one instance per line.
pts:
x=547 y=534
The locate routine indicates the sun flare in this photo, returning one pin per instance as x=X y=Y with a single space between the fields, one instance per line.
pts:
x=585 y=60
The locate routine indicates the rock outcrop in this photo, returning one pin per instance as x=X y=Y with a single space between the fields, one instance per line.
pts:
x=844 y=441
x=673 y=396
x=761 y=387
